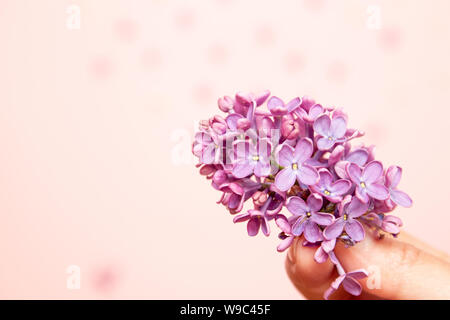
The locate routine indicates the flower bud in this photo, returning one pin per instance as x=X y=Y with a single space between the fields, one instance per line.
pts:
x=244 y=99
x=391 y=224
x=307 y=103
x=265 y=124
x=225 y=103
x=218 y=124
x=290 y=129
x=259 y=198
x=219 y=177
x=203 y=125
x=207 y=169
x=243 y=124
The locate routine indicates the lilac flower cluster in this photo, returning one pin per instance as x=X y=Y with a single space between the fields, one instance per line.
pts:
x=298 y=155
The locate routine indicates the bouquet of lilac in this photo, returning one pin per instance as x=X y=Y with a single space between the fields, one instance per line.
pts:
x=298 y=155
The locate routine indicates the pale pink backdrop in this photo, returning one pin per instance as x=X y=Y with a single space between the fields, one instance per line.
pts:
x=95 y=123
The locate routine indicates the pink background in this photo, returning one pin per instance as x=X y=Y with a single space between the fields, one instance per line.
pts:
x=94 y=124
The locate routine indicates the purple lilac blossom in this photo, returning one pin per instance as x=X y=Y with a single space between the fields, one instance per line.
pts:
x=295 y=168
x=308 y=218
x=367 y=181
x=330 y=188
x=296 y=163
x=348 y=221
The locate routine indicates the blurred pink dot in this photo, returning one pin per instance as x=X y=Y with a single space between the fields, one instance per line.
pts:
x=294 y=62
x=185 y=19
x=375 y=132
x=265 y=35
x=126 y=30
x=152 y=58
x=337 y=72
x=390 y=38
x=100 y=67
x=315 y=5
x=202 y=94
x=105 y=279
x=217 y=54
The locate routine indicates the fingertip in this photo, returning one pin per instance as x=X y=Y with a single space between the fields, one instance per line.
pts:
x=310 y=277
x=397 y=270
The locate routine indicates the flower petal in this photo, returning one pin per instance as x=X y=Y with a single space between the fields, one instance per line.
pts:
x=253 y=226
x=355 y=230
x=234 y=201
x=265 y=228
x=264 y=124
x=354 y=172
x=325 y=143
x=393 y=176
x=361 y=194
x=314 y=202
x=283 y=223
x=232 y=120
x=391 y=224
x=358 y=274
x=390 y=227
x=208 y=154
x=243 y=168
x=303 y=150
x=261 y=97
x=298 y=227
x=328 y=245
x=372 y=172
x=274 y=102
x=286 y=243
x=338 y=127
x=276 y=106
x=262 y=169
x=241 y=149
x=326 y=178
x=377 y=191
x=393 y=219
x=244 y=98
x=328 y=293
x=334 y=230
x=352 y=286
x=359 y=156
x=285 y=179
x=340 y=187
x=293 y=104
x=336 y=155
x=337 y=282
x=285 y=155
x=296 y=206
x=315 y=111
x=264 y=148
x=307 y=175
x=356 y=208
x=320 y=255
x=241 y=217
x=322 y=218
x=203 y=138
x=322 y=125
x=401 y=198
x=312 y=231
x=340 y=169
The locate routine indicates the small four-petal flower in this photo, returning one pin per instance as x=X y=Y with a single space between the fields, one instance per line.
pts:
x=347 y=221
x=330 y=131
x=307 y=218
x=332 y=190
x=295 y=168
x=367 y=181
